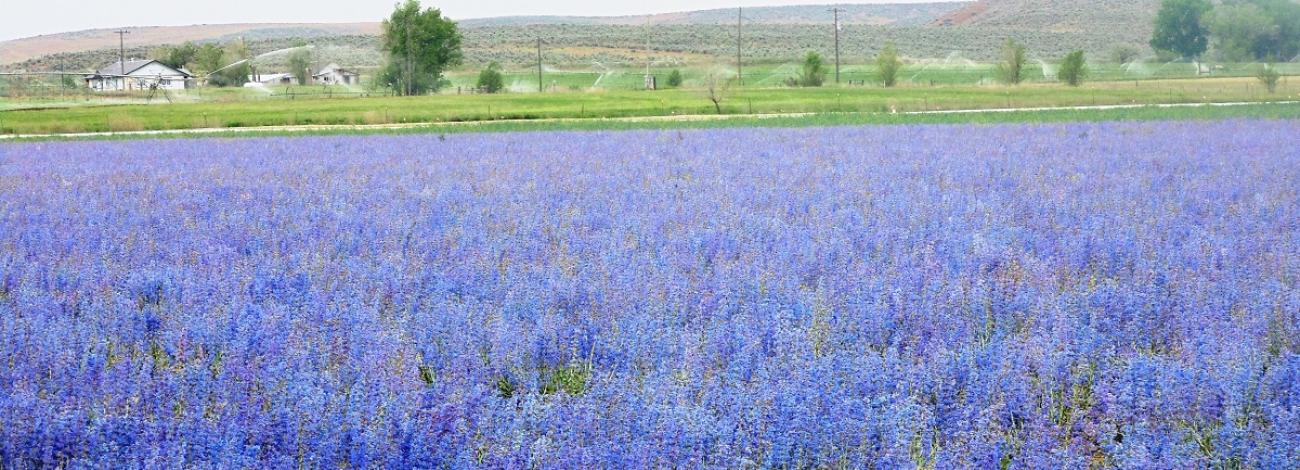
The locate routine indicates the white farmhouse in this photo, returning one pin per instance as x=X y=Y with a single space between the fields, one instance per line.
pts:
x=332 y=74
x=138 y=75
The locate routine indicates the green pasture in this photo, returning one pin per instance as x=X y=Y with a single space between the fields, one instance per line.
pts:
x=926 y=73
x=624 y=103
x=44 y=92
x=1288 y=111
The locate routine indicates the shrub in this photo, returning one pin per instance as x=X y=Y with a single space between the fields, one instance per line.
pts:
x=674 y=79
x=300 y=62
x=889 y=64
x=813 y=73
x=1011 y=68
x=1269 y=76
x=490 y=80
x=1073 y=69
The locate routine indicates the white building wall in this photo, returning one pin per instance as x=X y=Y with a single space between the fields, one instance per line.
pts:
x=155 y=72
x=141 y=79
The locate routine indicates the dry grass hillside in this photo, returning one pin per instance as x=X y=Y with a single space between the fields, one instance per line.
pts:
x=901 y=14
x=950 y=31
x=19 y=50
x=1056 y=15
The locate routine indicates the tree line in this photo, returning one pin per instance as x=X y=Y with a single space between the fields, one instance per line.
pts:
x=229 y=65
x=1238 y=30
x=420 y=44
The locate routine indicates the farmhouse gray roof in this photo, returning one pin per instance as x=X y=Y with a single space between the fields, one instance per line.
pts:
x=118 y=68
x=331 y=68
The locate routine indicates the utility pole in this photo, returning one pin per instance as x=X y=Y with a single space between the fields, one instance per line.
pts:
x=541 y=86
x=650 y=82
x=837 y=11
x=740 y=15
x=121 y=56
x=408 y=85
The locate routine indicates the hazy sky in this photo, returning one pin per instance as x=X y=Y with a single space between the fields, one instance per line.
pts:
x=22 y=18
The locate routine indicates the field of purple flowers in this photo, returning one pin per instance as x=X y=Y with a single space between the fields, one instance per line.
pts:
x=1044 y=296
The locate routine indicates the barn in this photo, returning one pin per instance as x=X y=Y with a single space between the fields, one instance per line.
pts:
x=332 y=74
x=272 y=79
x=138 y=75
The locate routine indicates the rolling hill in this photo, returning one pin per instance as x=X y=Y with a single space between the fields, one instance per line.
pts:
x=1055 y=15
x=947 y=31
x=19 y=50
x=902 y=14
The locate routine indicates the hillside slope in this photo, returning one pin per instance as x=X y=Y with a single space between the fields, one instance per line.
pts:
x=954 y=31
x=902 y=14
x=1056 y=15
x=18 y=50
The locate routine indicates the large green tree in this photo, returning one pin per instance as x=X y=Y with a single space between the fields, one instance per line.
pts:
x=208 y=58
x=1074 y=68
x=240 y=66
x=1179 y=28
x=177 y=56
x=1284 y=43
x=421 y=44
x=300 y=63
x=1240 y=31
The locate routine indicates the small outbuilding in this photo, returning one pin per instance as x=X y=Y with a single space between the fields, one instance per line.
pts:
x=138 y=75
x=332 y=74
x=272 y=78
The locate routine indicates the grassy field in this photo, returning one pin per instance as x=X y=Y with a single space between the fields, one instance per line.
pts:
x=928 y=73
x=43 y=92
x=598 y=104
x=1265 y=111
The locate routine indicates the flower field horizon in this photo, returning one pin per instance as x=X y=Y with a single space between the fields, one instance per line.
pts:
x=1106 y=295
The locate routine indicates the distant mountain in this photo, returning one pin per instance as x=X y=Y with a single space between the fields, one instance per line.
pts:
x=901 y=14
